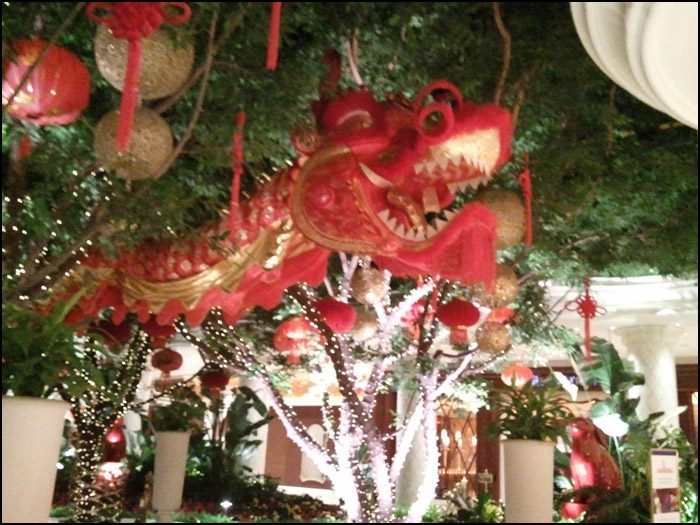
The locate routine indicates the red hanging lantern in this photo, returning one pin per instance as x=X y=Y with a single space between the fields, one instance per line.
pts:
x=588 y=308
x=500 y=315
x=166 y=360
x=292 y=334
x=214 y=380
x=133 y=21
x=56 y=92
x=339 y=316
x=160 y=334
x=115 y=443
x=458 y=312
x=459 y=335
x=517 y=375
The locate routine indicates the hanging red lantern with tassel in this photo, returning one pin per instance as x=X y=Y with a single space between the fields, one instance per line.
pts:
x=517 y=375
x=133 y=21
x=115 y=443
x=57 y=90
x=166 y=360
x=588 y=308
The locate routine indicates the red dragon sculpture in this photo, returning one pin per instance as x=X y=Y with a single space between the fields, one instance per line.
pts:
x=365 y=182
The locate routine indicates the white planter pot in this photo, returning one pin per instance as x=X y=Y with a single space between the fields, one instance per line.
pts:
x=529 y=480
x=169 y=472
x=31 y=442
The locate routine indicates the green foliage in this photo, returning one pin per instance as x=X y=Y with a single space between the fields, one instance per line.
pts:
x=532 y=412
x=184 y=412
x=39 y=353
x=461 y=509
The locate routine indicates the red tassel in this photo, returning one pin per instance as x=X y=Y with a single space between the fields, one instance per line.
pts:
x=526 y=186
x=273 y=41
x=587 y=307
x=237 y=156
x=127 y=108
x=24 y=148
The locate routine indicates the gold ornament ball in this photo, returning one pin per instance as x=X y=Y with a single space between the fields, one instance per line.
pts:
x=150 y=148
x=365 y=326
x=369 y=285
x=493 y=338
x=504 y=292
x=510 y=213
x=165 y=66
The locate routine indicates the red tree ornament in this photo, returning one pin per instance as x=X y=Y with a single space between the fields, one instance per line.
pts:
x=133 y=21
x=588 y=308
x=56 y=92
x=160 y=334
x=115 y=443
x=339 y=316
x=166 y=360
x=292 y=334
x=458 y=314
x=214 y=380
x=517 y=375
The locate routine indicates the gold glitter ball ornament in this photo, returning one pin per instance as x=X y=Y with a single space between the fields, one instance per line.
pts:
x=493 y=338
x=510 y=213
x=505 y=289
x=365 y=326
x=165 y=66
x=150 y=148
x=369 y=285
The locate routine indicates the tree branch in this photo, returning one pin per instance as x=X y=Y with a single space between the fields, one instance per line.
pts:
x=505 y=35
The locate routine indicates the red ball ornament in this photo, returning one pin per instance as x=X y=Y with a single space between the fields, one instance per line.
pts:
x=340 y=317
x=458 y=312
x=56 y=92
x=115 y=443
x=166 y=360
x=517 y=375
x=214 y=380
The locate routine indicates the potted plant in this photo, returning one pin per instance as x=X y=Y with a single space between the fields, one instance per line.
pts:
x=39 y=355
x=173 y=423
x=531 y=418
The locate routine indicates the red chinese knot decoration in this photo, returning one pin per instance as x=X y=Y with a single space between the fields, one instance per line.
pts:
x=57 y=90
x=588 y=308
x=133 y=21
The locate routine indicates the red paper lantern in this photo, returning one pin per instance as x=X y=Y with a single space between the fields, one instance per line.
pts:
x=517 y=375
x=340 y=317
x=160 y=334
x=56 y=92
x=214 y=380
x=291 y=334
x=166 y=360
x=458 y=312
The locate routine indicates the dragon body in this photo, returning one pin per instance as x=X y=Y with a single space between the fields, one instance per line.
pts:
x=367 y=181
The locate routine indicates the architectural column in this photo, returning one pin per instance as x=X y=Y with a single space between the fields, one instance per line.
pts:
x=256 y=462
x=648 y=347
x=411 y=476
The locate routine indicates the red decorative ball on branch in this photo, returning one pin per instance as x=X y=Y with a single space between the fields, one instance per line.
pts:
x=56 y=92
x=166 y=360
x=292 y=334
x=115 y=443
x=339 y=316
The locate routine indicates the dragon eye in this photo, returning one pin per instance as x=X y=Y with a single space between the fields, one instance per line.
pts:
x=435 y=122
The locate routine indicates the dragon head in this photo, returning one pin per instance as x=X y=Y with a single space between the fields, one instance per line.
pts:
x=387 y=173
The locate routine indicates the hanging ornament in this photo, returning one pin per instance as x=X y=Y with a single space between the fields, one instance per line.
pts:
x=369 y=285
x=292 y=334
x=504 y=292
x=115 y=443
x=517 y=375
x=526 y=186
x=133 y=21
x=56 y=92
x=160 y=334
x=458 y=312
x=151 y=145
x=166 y=360
x=215 y=381
x=459 y=335
x=493 y=338
x=501 y=315
x=339 y=316
x=588 y=308
x=165 y=65
x=510 y=214
x=114 y=335
x=365 y=327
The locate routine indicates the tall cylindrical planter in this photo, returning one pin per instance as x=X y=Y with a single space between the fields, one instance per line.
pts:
x=169 y=473
x=529 y=480
x=31 y=442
